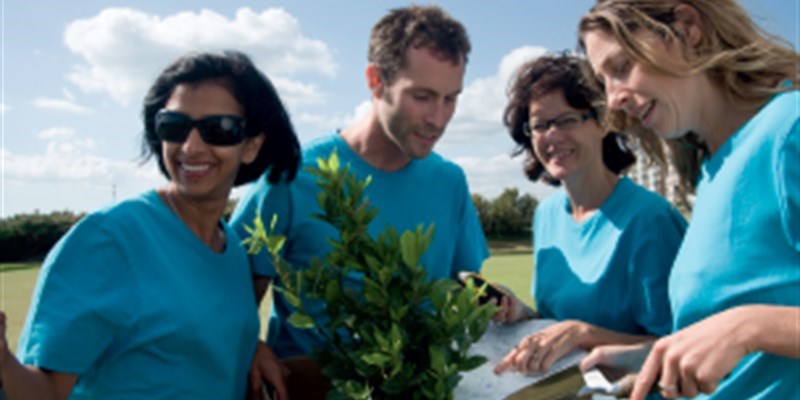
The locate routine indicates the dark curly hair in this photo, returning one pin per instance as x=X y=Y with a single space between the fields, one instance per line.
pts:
x=263 y=111
x=565 y=72
x=415 y=26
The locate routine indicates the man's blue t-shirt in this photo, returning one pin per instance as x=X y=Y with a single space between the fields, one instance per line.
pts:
x=743 y=244
x=612 y=269
x=137 y=306
x=426 y=191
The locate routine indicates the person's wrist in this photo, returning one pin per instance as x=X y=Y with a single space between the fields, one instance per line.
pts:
x=748 y=328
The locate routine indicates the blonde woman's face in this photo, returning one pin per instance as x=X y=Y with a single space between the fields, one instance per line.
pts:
x=668 y=105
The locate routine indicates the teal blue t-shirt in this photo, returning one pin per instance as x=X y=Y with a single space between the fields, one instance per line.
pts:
x=132 y=302
x=743 y=243
x=612 y=269
x=429 y=190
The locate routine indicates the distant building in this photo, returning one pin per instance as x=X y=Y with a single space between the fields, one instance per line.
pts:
x=662 y=179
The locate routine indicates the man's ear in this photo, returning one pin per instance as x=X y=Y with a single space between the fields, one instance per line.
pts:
x=688 y=24
x=374 y=80
x=252 y=147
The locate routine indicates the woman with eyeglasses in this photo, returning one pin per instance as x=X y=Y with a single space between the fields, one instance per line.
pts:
x=603 y=245
x=702 y=75
x=152 y=298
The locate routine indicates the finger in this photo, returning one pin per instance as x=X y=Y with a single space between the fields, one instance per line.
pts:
x=687 y=377
x=521 y=359
x=648 y=375
x=669 y=382
x=554 y=354
x=510 y=358
x=707 y=375
x=688 y=386
x=505 y=363
x=707 y=387
x=595 y=357
x=530 y=340
x=557 y=347
x=537 y=360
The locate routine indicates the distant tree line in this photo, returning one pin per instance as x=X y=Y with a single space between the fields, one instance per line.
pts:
x=508 y=216
x=28 y=237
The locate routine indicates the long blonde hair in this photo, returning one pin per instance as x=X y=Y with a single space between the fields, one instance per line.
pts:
x=748 y=64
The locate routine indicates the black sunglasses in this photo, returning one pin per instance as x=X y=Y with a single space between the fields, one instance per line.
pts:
x=216 y=130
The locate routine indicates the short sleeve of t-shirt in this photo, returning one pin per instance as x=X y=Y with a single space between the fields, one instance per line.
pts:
x=787 y=182
x=83 y=297
x=658 y=238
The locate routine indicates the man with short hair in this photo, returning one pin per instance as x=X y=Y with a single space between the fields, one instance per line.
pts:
x=417 y=57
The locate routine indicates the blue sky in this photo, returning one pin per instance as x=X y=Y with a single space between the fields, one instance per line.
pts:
x=74 y=74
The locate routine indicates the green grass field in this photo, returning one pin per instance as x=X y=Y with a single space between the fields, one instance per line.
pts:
x=509 y=266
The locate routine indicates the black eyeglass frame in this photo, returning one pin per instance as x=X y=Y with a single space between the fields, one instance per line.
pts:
x=527 y=130
x=215 y=130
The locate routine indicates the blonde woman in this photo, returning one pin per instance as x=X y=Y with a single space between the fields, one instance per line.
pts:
x=702 y=75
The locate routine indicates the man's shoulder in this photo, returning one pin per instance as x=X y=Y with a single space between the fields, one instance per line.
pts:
x=321 y=147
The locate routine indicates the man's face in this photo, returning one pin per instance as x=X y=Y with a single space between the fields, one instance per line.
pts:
x=416 y=106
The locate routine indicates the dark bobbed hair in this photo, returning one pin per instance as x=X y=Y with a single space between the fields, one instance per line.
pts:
x=541 y=76
x=415 y=26
x=263 y=111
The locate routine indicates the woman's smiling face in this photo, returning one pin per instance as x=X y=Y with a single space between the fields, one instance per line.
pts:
x=564 y=151
x=200 y=169
x=663 y=103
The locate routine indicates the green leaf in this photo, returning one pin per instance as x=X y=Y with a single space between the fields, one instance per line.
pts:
x=301 y=320
x=291 y=297
x=333 y=161
x=437 y=360
x=473 y=362
x=409 y=249
x=377 y=359
x=332 y=291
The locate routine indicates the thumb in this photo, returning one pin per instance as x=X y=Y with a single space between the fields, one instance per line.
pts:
x=595 y=357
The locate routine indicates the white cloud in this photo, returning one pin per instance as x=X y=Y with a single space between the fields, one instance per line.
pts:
x=324 y=124
x=4 y=108
x=56 y=133
x=480 y=107
x=124 y=49
x=69 y=157
x=295 y=94
x=492 y=174
x=61 y=105
x=68 y=94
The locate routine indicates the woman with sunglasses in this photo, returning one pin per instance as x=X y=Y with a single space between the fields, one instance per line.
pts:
x=702 y=75
x=152 y=298
x=603 y=245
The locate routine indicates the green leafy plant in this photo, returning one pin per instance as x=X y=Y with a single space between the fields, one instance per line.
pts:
x=391 y=332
